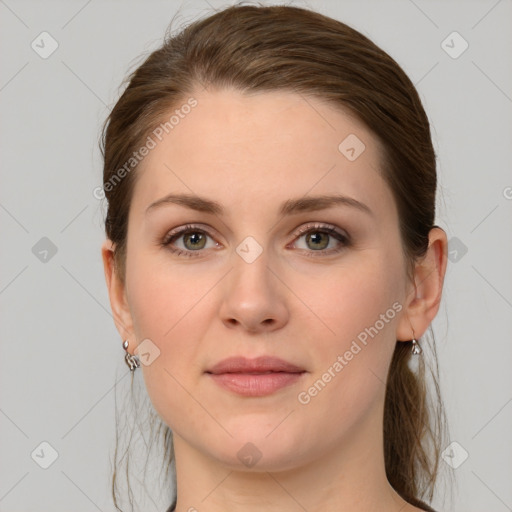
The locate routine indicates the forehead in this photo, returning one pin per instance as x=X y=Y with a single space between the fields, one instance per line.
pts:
x=242 y=149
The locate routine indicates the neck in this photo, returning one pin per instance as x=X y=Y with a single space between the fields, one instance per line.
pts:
x=347 y=476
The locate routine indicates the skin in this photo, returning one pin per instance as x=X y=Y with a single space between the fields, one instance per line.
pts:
x=251 y=153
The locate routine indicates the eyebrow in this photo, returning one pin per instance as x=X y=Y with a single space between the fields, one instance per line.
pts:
x=289 y=207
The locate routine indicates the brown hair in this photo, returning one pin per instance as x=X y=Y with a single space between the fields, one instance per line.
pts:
x=267 y=48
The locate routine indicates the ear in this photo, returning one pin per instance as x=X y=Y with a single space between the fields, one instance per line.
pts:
x=117 y=293
x=424 y=295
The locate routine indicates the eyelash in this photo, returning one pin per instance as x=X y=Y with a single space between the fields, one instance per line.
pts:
x=316 y=228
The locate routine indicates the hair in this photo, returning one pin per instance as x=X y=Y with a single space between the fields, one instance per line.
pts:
x=253 y=48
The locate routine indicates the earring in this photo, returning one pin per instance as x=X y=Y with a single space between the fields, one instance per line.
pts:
x=132 y=361
x=416 y=349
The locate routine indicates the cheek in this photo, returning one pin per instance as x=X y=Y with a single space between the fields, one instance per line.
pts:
x=164 y=309
x=354 y=340
x=351 y=300
x=159 y=296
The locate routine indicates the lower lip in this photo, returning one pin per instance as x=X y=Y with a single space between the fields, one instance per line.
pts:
x=255 y=384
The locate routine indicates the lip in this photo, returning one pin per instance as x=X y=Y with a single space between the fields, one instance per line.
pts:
x=255 y=377
x=261 y=364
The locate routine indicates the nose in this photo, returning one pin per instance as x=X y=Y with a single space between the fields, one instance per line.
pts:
x=254 y=297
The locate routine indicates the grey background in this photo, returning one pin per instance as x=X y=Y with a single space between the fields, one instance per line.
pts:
x=60 y=352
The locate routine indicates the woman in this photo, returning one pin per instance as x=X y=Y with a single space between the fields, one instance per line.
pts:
x=272 y=261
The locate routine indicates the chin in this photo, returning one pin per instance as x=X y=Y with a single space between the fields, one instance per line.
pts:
x=255 y=458
x=257 y=446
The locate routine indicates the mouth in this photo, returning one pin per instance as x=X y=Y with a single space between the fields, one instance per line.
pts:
x=255 y=377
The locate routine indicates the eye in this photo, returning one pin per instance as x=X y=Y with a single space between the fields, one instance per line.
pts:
x=319 y=236
x=194 y=240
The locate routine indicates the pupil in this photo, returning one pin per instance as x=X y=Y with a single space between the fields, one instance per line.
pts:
x=195 y=237
x=316 y=238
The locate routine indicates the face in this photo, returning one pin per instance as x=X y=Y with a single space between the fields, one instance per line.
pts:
x=272 y=272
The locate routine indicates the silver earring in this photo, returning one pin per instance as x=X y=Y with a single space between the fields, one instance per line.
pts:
x=416 y=349
x=132 y=361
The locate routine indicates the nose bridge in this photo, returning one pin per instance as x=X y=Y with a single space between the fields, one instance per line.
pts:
x=251 y=264
x=252 y=297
